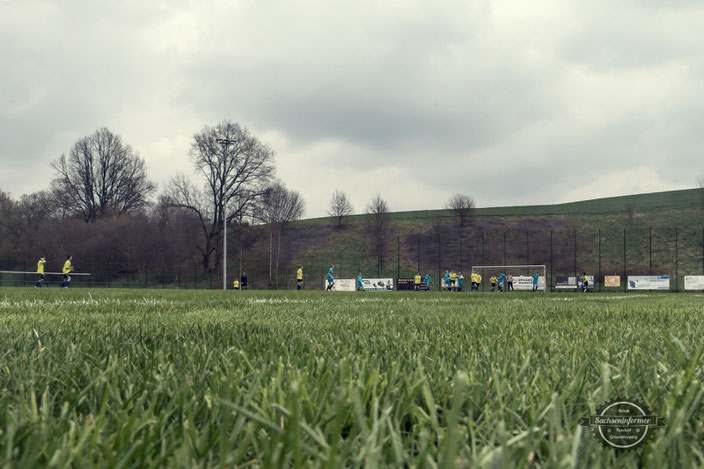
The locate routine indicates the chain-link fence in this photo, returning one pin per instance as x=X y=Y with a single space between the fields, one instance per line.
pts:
x=673 y=252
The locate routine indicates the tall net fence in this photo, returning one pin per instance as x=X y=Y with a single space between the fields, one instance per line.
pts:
x=563 y=250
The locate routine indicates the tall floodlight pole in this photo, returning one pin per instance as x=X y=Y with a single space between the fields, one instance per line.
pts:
x=225 y=142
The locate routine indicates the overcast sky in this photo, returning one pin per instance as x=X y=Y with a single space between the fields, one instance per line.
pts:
x=512 y=102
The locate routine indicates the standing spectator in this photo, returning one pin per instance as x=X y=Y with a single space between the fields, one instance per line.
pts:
x=40 y=272
x=243 y=281
x=509 y=282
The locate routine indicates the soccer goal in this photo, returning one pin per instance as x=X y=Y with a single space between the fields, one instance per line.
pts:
x=521 y=277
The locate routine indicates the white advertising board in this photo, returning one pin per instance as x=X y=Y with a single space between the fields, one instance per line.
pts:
x=377 y=284
x=525 y=282
x=573 y=283
x=342 y=284
x=649 y=282
x=694 y=282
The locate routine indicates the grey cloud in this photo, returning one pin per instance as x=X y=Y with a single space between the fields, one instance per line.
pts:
x=502 y=99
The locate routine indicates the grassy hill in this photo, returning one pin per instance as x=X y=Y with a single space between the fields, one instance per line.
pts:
x=663 y=234
x=650 y=202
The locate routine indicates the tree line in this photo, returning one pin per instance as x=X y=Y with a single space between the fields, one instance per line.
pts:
x=102 y=207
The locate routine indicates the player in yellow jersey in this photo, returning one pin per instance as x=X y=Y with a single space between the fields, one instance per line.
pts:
x=68 y=268
x=299 y=278
x=236 y=284
x=492 y=281
x=453 y=281
x=416 y=282
x=40 y=272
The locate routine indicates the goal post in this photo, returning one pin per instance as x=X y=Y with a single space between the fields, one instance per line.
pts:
x=522 y=275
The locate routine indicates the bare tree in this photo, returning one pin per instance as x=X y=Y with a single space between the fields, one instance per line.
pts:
x=462 y=206
x=340 y=207
x=280 y=207
x=101 y=175
x=378 y=229
x=237 y=170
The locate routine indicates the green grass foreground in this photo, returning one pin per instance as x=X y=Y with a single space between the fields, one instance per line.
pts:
x=157 y=378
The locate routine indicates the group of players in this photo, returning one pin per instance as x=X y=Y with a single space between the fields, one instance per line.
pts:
x=65 y=271
x=451 y=282
x=454 y=282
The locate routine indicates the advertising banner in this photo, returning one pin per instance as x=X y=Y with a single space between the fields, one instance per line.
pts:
x=694 y=282
x=525 y=283
x=377 y=284
x=342 y=284
x=572 y=283
x=409 y=284
x=612 y=281
x=649 y=282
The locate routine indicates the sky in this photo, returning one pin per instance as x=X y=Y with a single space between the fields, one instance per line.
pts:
x=511 y=102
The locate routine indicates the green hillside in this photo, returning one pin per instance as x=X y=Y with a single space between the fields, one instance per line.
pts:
x=655 y=233
x=650 y=202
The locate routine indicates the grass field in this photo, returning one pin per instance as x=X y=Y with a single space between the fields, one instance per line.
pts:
x=154 y=378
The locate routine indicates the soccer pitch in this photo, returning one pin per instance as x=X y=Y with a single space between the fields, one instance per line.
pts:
x=155 y=378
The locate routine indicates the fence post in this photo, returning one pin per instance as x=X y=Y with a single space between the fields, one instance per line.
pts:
x=575 y=252
x=195 y=277
x=418 y=247
x=179 y=277
x=551 y=273
x=505 y=236
x=625 y=267
x=599 y=279
x=527 y=251
x=398 y=256
x=483 y=281
x=439 y=263
x=677 y=272
x=650 y=249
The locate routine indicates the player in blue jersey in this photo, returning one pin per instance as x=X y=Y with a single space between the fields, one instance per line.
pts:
x=330 y=278
x=501 y=278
